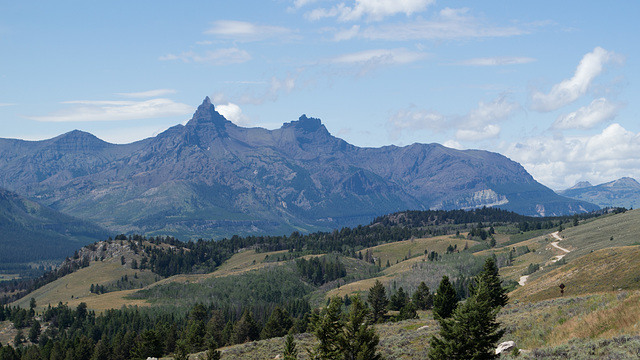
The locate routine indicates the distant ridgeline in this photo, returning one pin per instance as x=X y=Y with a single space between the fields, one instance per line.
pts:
x=204 y=256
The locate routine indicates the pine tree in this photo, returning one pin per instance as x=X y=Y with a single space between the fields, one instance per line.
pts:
x=491 y=278
x=277 y=325
x=327 y=327
x=445 y=299
x=353 y=338
x=471 y=333
x=422 y=298
x=359 y=340
x=290 y=351
x=398 y=300
x=378 y=300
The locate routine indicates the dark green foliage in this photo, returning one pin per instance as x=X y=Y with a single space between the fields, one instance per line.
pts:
x=290 y=351
x=34 y=331
x=278 y=324
x=378 y=301
x=422 y=298
x=491 y=278
x=246 y=329
x=409 y=311
x=320 y=270
x=531 y=269
x=471 y=333
x=359 y=340
x=398 y=300
x=445 y=299
x=327 y=327
x=351 y=337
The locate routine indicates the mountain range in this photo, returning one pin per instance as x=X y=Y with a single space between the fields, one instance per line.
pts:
x=624 y=192
x=212 y=178
x=31 y=232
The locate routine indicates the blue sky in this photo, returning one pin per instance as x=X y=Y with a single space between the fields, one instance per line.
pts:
x=553 y=85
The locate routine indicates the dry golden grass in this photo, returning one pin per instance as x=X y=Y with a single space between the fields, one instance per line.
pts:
x=622 y=317
x=74 y=288
x=398 y=250
x=600 y=271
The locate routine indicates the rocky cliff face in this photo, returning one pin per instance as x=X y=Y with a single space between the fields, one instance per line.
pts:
x=211 y=178
x=624 y=192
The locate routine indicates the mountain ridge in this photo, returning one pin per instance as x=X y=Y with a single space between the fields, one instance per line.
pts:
x=623 y=192
x=211 y=178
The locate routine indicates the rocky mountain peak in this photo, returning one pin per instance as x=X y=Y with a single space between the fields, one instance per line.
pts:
x=207 y=114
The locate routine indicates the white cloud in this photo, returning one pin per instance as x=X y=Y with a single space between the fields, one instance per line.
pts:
x=245 y=31
x=148 y=94
x=347 y=34
x=380 y=56
x=560 y=162
x=600 y=110
x=479 y=124
x=233 y=113
x=489 y=131
x=7 y=104
x=448 y=25
x=408 y=120
x=214 y=57
x=259 y=93
x=373 y=10
x=570 y=90
x=83 y=110
x=496 y=61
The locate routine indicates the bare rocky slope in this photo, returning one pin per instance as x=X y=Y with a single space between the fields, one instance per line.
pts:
x=211 y=178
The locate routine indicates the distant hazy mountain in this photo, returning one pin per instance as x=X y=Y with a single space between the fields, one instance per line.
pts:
x=624 y=192
x=31 y=232
x=212 y=178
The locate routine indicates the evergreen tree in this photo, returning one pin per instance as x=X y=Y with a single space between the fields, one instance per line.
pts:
x=378 y=300
x=408 y=312
x=471 y=333
x=422 y=298
x=359 y=339
x=290 y=351
x=182 y=350
x=398 y=300
x=445 y=299
x=353 y=338
x=246 y=329
x=212 y=351
x=491 y=278
x=34 y=331
x=277 y=325
x=327 y=327
x=101 y=351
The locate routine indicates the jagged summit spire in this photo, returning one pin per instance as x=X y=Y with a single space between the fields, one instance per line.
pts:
x=206 y=113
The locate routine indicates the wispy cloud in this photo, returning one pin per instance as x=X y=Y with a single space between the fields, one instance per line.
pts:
x=570 y=90
x=496 y=61
x=380 y=56
x=246 y=31
x=599 y=111
x=148 y=94
x=450 y=24
x=373 y=10
x=214 y=57
x=88 y=110
x=479 y=124
x=7 y=104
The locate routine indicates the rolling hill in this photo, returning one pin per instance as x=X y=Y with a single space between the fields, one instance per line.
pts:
x=30 y=232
